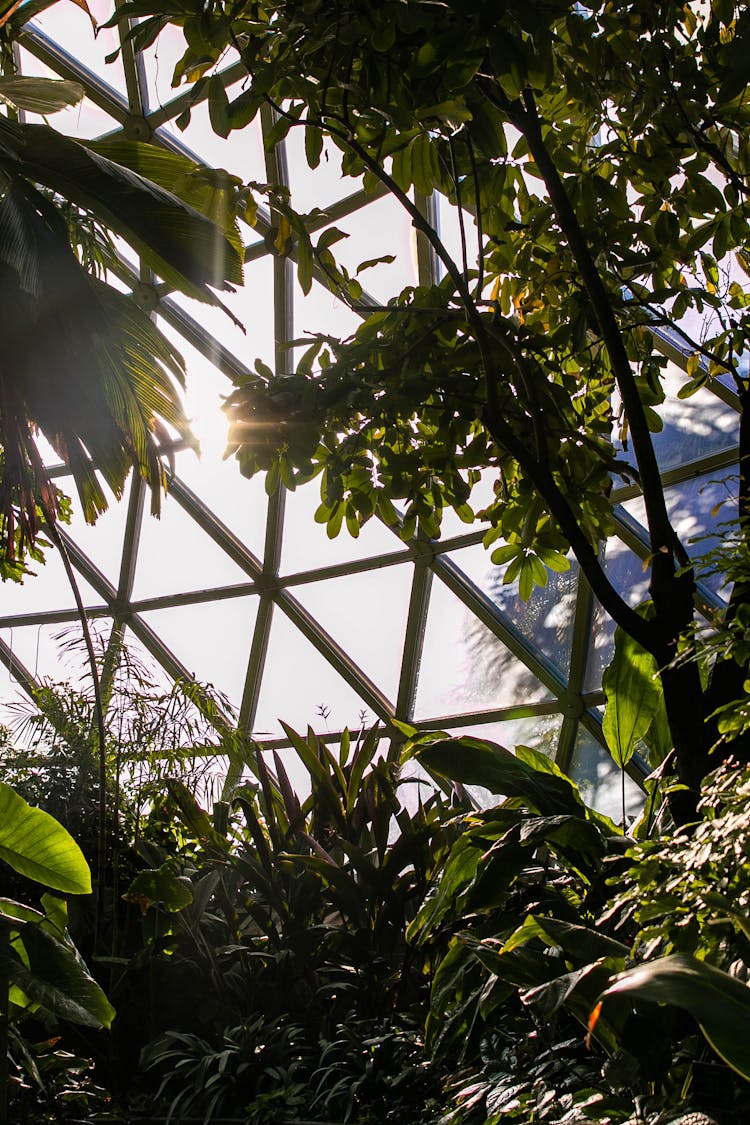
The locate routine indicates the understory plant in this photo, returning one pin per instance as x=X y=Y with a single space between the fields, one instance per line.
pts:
x=580 y=975
x=42 y=977
x=275 y=976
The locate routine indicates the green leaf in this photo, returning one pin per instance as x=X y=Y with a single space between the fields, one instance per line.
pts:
x=313 y=145
x=633 y=696
x=384 y=259
x=40 y=95
x=472 y=761
x=546 y=999
x=13 y=911
x=304 y=265
x=160 y=885
x=581 y=942
x=57 y=979
x=218 y=107
x=719 y=1002
x=194 y=817
x=36 y=845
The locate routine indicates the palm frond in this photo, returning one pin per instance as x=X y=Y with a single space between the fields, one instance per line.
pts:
x=82 y=364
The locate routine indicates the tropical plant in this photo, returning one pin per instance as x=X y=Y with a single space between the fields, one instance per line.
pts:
x=40 y=968
x=65 y=326
x=567 y=953
x=595 y=159
x=292 y=911
x=50 y=756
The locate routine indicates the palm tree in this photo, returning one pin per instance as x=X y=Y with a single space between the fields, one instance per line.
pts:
x=81 y=364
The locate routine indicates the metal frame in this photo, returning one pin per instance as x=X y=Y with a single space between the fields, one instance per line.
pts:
x=265 y=577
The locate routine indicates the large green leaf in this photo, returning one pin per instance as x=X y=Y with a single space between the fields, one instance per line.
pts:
x=472 y=761
x=633 y=696
x=209 y=190
x=580 y=942
x=719 y=1002
x=62 y=327
x=37 y=846
x=56 y=978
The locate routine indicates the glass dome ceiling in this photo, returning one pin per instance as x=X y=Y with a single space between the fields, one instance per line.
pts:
x=245 y=591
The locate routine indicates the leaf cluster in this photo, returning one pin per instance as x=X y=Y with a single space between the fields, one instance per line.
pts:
x=639 y=120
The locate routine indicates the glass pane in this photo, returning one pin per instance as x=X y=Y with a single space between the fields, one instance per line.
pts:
x=601 y=782
x=302 y=688
x=465 y=667
x=366 y=615
x=211 y=640
x=176 y=556
x=546 y=618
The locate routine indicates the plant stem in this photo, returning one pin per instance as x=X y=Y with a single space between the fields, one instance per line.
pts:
x=101 y=850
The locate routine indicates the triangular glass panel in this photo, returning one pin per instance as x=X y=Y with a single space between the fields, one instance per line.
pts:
x=211 y=640
x=176 y=556
x=103 y=541
x=694 y=427
x=699 y=508
x=71 y=28
x=546 y=618
x=47 y=588
x=541 y=732
x=327 y=186
x=321 y=311
x=465 y=667
x=366 y=614
x=306 y=545
x=302 y=688
x=381 y=228
x=240 y=504
x=52 y=652
x=241 y=152
x=87 y=119
x=253 y=307
x=625 y=571
x=602 y=784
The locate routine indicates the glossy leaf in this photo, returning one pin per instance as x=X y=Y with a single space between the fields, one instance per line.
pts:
x=160 y=886
x=581 y=942
x=57 y=979
x=472 y=761
x=633 y=693
x=36 y=845
x=720 y=1003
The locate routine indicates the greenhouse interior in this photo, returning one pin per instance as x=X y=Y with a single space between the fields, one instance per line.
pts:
x=374 y=407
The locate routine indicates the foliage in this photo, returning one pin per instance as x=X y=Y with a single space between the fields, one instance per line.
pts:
x=40 y=967
x=150 y=733
x=547 y=923
x=690 y=893
x=294 y=920
x=64 y=323
x=50 y=1082
x=596 y=166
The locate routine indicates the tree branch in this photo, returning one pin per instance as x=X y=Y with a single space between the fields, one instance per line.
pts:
x=661 y=532
x=501 y=432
